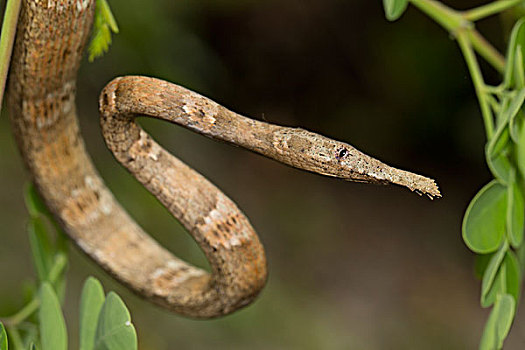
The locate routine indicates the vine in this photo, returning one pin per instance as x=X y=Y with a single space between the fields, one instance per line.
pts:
x=493 y=224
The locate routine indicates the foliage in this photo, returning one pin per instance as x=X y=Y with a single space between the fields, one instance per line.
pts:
x=394 y=8
x=3 y=338
x=493 y=224
x=105 y=322
x=103 y=24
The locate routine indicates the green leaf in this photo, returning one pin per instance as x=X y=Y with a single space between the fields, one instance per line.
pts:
x=3 y=337
x=500 y=166
x=103 y=24
x=41 y=248
x=515 y=126
x=520 y=252
x=91 y=303
x=519 y=73
x=517 y=37
x=115 y=330
x=481 y=262
x=520 y=148
x=490 y=273
x=483 y=226
x=512 y=111
x=53 y=334
x=394 y=8
x=507 y=279
x=515 y=211
x=512 y=274
x=34 y=203
x=500 y=140
x=30 y=332
x=499 y=287
x=62 y=248
x=497 y=150
x=498 y=324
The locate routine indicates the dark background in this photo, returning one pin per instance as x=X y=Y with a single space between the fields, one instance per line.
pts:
x=352 y=266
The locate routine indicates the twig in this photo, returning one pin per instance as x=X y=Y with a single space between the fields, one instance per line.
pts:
x=7 y=40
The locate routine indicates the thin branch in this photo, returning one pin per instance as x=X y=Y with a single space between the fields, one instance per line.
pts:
x=477 y=80
x=489 y=9
x=24 y=313
x=7 y=40
x=448 y=18
x=15 y=338
x=486 y=50
x=454 y=21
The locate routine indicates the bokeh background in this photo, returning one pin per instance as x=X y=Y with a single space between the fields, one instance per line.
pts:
x=352 y=266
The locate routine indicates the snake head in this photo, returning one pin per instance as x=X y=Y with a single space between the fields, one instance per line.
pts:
x=319 y=154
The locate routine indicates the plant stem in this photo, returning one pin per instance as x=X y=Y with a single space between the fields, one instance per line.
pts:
x=496 y=90
x=448 y=18
x=14 y=335
x=21 y=315
x=477 y=80
x=7 y=39
x=59 y=264
x=453 y=20
x=58 y=267
x=494 y=104
x=489 y=9
x=486 y=50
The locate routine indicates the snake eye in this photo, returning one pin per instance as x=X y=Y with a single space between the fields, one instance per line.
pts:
x=341 y=153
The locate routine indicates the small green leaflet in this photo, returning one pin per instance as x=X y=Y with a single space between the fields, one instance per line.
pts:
x=91 y=303
x=520 y=148
x=515 y=211
x=519 y=73
x=3 y=337
x=41 y=247
x=498 y=288
x=34 y=204
x=481 y=263
x=500 y=146
x=103 y=24
x=506 y=281
x=515 y=43
x=498 y=324
x=499 y=164
x=512 y=275
x=490 y=274
x=485 y=219
x=53 y=333
x=514 y=114
x=394 y=8
x=114 y=329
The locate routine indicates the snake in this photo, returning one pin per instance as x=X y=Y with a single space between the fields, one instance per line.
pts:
x=50 y=41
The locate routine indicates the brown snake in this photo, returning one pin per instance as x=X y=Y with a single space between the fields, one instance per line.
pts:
x=41 y=98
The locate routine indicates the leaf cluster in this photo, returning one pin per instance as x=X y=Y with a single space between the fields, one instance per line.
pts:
x=103 y=24
x=105 y=322
x=493 y=225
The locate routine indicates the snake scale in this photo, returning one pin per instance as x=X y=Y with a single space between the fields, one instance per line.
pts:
x=50 y=41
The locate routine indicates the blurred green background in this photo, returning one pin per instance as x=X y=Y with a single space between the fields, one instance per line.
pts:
x=352 y=266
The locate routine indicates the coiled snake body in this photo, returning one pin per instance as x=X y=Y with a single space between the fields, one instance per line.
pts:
x=49 y=45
